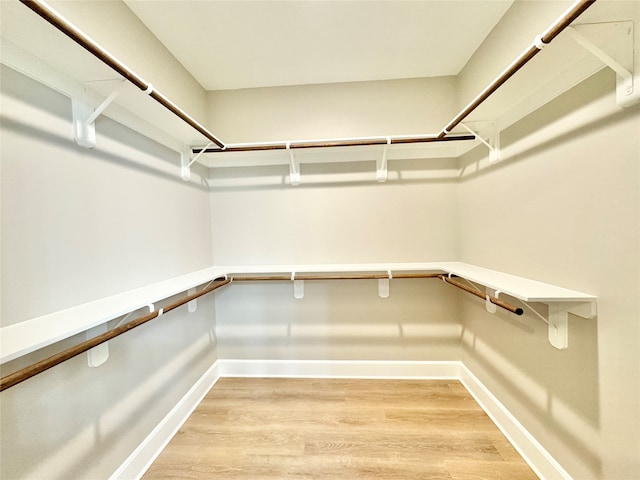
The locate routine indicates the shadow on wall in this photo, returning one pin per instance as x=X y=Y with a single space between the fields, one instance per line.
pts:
x=146 y=156
x=535 y=374
x=339 y=320
x=550 y=126
x=79 y=422
x=335 y=175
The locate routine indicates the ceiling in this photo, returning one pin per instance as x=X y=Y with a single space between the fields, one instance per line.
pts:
x=246 y=44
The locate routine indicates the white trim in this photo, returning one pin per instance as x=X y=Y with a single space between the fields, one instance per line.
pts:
x=142 y=457
x=340 y=369
x=539 y=459
x=536 y=456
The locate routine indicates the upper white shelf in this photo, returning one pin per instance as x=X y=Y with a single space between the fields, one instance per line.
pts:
x=26 y=337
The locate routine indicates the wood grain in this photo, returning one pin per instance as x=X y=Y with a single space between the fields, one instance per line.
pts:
x=335 y=428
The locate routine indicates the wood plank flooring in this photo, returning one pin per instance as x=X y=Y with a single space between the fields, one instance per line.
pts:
x=248 y=428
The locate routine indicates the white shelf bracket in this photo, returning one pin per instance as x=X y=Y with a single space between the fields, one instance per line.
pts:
x=294 y=168
x=185 y=168
x=558 y=319
x=185 y=163
x=493 y=143
x=381 y=164
x=488 y=305
x=383 y=285
x=298 y=287
x=192 y=306
x=620 y=60
x=84 y=118
x=100 y=353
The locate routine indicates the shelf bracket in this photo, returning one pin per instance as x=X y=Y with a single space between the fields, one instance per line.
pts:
x=620 y=60
x=84 y=118
x=100 y=353
x=493 y=143
x=381 y=164
x=294 y=168
x=557 y=319
x=383 y=285
x=298 y=286
x=185 y=168
x=192 y=306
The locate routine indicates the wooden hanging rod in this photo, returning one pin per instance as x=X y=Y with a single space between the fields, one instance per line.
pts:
x=338 y=276
x=352 y=142
x=82 y=39
x=379 y=276
x=477 y=293
x=66 y=27
x=50 y=362
x=552 y=32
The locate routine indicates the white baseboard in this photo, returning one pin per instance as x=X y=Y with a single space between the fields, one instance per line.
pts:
x=142 y=457
x=545 y=466
x=340 y=369
x=539 y=459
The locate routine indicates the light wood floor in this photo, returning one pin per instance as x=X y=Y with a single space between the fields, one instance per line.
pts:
x=339 y=429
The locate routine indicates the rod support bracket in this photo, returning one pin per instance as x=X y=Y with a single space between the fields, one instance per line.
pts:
x=185 y=166
x=492 y=142
x=613 y=44
x=84 y=117
x=381 y=164
x=294 y=168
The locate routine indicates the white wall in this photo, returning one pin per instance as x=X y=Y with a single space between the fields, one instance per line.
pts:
x=562 y=207
x=565 y=210
x=78 y=225
x=339 y=214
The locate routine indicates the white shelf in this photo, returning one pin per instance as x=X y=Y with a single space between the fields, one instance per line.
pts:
x=518 y=287
x=26 y=337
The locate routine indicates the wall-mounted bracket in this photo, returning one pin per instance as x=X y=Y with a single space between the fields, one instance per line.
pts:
x=616 y=54
x=185 y=166
x=488 y=305
x=558 y=319
x=185 y=163
x=492 y=143
x=192 y=306
x=294 y=168
x=298 y=286
x=84 y=118
x=381 y=164
x=100 y=353
x=383 y=285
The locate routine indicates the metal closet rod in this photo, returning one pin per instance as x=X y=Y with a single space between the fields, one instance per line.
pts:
x=66 y=27
x=82 y=39
x=50 y=362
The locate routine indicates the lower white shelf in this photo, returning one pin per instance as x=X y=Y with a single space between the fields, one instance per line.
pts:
x=31 y=335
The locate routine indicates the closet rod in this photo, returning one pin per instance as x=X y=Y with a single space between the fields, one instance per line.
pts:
x=43 y=365
x=477 y=293
x=341 y=276
x=346 y=142
x=82 y=39
x=549 y=34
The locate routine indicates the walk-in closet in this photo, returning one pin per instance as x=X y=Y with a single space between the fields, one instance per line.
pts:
x=320 y=239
